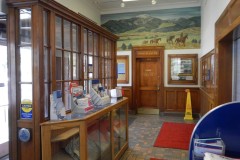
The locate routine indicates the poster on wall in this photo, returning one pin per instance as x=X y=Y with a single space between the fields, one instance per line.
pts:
x=177 y=28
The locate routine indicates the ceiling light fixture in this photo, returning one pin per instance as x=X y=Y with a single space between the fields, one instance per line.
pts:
x=122 y=4
x=154 y=2
x=128 y=0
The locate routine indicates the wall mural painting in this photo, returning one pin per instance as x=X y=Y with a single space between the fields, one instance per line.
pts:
x=177 y=28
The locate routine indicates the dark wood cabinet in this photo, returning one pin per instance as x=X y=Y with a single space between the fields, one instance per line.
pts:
x=50 y=46
x=208 y=81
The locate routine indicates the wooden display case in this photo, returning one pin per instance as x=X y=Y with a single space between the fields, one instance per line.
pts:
x=208 y=81
x=98 y=134
x=50 y=46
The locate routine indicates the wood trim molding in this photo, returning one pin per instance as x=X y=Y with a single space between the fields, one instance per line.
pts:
x=125 y=60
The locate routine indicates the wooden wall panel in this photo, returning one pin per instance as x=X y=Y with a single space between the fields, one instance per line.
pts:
x=175 y=99
x=169 y=103
x=148 y=98
x=127 y=92
x=207 y=102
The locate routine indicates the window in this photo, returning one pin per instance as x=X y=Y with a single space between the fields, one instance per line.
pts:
x=106 y=63
x=91 y=58
x=24 y=57
x=67 y=57
x=46 y=64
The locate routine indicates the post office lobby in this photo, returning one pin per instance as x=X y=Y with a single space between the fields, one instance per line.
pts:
x=51 y=43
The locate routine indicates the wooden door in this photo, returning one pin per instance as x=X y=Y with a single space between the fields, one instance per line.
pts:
x=148 y=84
x=148 y=79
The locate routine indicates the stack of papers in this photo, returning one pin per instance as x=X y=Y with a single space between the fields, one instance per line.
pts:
x=211 y=156
x=210 y=145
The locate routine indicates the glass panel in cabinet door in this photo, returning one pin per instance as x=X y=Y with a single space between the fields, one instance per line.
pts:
x=66 y=96
x=116 y=130
x=65 y=149
x=46 y=63
x=109 y=66
x=95 y=44
x=58 y=68
x=89 y=85
x=110 y=49
x=109 y=83
x=58 y=32
x=90 y=42
x=90 y=67
x=67 y=66
x=45 y=28
x=119 y=128
x=67 y=35
x=103 y=68
x=123 y=127
x=46 y=99
x=75 y=37
x=105 y=139
x=85 y=63
x=76 y=66
x=85 y=86
x=26 y=64
x=93 y=141
x=25 y=26
x=106 y=68
x=105 y=48
x=103 y=82
x=95 y=67
x=85 y=41
x=59 y=86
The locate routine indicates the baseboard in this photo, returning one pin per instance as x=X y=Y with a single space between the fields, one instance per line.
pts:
x=179 y=114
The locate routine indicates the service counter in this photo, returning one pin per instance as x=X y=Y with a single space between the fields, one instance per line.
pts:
x=102 y=133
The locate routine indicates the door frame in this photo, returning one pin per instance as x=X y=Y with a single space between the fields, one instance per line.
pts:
x=147 y=52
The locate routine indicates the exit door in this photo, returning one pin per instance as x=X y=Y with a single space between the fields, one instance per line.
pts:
x=148 y=85
x=148 y=77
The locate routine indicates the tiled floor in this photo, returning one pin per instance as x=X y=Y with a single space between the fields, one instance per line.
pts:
x=142 y=134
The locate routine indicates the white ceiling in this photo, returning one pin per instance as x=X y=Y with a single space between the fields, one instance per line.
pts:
x=114 y=6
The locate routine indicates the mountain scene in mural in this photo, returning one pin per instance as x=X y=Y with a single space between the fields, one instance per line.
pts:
x=177 y=28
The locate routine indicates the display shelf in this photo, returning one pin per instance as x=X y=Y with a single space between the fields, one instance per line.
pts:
x=65 y=135
x=99 y=134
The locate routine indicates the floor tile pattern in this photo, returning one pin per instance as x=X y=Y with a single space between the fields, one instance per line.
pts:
x=143 y=131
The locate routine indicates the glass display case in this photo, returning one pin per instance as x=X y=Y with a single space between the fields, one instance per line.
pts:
x=100 y=134
x=51 y=46
x=119 y=128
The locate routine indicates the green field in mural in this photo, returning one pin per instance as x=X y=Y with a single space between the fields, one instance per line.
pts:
x=173 y=28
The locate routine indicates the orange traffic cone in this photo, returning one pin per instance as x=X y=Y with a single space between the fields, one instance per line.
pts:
x=188 y=112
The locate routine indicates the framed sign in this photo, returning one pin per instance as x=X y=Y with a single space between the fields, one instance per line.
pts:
x=182 y=69
x=123 y=69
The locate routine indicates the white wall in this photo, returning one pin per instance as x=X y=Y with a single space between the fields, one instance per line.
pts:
x=211 y=11
x=84 y=7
